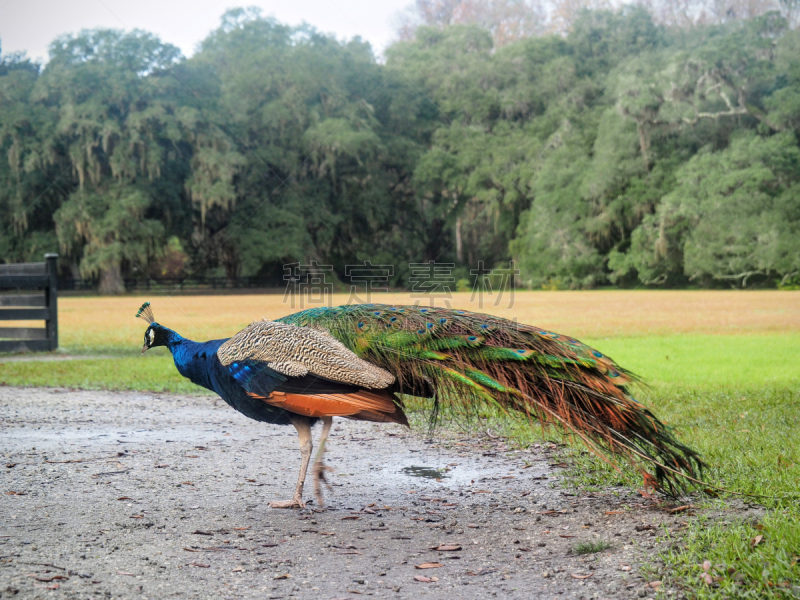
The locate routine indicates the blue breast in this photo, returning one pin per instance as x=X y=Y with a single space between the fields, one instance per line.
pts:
x=198 y=362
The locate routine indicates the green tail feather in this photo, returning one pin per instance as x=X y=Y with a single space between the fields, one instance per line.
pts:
x=465 y=359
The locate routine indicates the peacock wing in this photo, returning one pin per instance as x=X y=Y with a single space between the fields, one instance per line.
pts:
x=296 y=351
x=307 y=371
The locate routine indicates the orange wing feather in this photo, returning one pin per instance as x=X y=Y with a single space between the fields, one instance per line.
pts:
x=363 y=405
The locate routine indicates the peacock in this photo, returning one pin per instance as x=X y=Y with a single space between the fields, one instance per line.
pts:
x=360 y=361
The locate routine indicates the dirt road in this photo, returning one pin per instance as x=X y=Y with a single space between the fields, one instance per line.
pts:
x=132 y=495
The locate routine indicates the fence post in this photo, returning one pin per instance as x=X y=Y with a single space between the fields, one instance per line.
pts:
x=51 y=300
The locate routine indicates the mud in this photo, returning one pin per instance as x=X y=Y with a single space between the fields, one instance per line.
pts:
x=133 y=495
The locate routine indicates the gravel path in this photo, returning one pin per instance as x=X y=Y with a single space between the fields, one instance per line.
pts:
x=132 y=495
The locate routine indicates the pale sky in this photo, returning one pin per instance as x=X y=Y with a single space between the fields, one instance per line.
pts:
x=31 y=25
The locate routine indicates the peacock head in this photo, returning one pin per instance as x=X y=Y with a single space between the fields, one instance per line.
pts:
x=156 y=335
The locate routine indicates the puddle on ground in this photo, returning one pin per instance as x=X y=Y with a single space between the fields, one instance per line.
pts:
x=424 y=472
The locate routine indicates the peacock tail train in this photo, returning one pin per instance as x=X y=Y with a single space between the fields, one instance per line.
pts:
x=462 y=358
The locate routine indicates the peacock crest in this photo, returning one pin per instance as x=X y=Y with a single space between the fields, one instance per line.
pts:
x=146 y=313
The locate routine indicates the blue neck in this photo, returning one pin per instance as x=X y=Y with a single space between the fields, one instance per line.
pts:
x=192 y=359
x=198 y=362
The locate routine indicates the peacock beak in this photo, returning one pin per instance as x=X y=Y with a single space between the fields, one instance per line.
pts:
x=144 y=348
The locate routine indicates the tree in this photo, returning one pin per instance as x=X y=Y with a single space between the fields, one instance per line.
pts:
x=739 y=212
x=625 y=148
x=506 y=20
x=27 y=194
x=113 y=128
x=327 y=149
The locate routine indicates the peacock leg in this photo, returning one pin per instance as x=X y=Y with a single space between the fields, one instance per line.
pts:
x=303 y=426
x=319 y=468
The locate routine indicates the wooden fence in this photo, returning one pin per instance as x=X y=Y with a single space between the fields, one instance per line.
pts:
x=39 y=306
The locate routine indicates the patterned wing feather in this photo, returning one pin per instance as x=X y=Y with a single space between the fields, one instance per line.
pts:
x=465 y=358
x=296 y=351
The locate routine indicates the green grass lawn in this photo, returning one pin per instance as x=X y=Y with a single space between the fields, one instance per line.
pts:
x=152 y=372
x=737 y=400
x=734 y=398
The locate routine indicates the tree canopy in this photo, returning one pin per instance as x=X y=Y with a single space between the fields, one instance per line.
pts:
x=627 y=148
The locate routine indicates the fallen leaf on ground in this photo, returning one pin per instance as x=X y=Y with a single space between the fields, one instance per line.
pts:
x=679 y=509
x=55 y=586
x=614 y=512
x=284 y=576
x=423 y=579
x=198 y=532
x=446 y=547
x=126 y=573
x=428 y=566
x=574 y=576
x=707 y=578
x=238 y=570
x=350 y=518
x=197 y=564
x=482 y=572
x=706 y=565
x=124 y=498
x=756 y=541
x=655 y=584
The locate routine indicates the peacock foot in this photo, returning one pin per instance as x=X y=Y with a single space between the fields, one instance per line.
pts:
x=318 y=471
x=296 y=502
